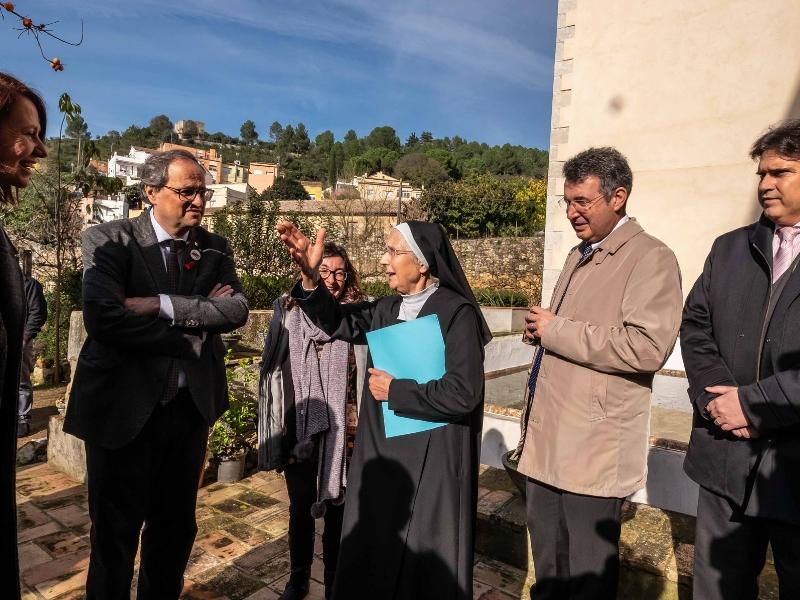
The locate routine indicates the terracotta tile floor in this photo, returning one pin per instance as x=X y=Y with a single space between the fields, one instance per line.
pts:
x=240 y=553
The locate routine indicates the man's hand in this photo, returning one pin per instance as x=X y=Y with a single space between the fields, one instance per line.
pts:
x=745 y=433
x=306 y=255
x=221 y=291
x=726 y=409
x=145 y=307
x=536 y=320
x=379 y=382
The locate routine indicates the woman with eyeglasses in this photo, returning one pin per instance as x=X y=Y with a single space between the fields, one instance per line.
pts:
x=409 y=523
x=309 y=395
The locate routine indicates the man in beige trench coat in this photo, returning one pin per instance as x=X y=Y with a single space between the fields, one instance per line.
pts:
x=612 y=323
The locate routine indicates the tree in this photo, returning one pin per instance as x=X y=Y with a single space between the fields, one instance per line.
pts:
x=412 y=140
x=324 y=142
x=77 y=127
x=383 y=137
x=286 y=142
x=190 y=129
x=250 y=229
x=420 y=169
x=275 y=131
x=426 y=137
x=161 y=127
x=248 y=132
x=351 y=145
x=332 y=170
x=302 y=143
x=285 y=189
x=372 y=161
x=487 y=205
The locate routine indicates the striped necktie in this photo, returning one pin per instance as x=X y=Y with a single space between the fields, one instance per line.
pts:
x=785 y=254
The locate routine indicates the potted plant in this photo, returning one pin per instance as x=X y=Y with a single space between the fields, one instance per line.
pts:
x=234 y=432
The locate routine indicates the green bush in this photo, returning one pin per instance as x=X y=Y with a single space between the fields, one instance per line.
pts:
x=485 y=296
x=500 y=297
x=71 y=294
x=235 y=431
x=376 y=289
x=261 y=290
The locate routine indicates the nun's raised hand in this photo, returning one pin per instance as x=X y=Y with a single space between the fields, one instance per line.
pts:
x=379 y=382
x=304 y=253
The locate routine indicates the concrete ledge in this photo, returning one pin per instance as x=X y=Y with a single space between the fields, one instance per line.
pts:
x=656 y=545
x=65 y=452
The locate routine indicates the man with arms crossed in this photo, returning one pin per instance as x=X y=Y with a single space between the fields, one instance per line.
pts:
x=612 y=323
x=150 y=379
x=740 y=341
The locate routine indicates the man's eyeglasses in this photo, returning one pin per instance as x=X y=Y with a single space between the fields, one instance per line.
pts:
x=394 y=252
x=338 y=274
x=189 y=194
x=579 y=204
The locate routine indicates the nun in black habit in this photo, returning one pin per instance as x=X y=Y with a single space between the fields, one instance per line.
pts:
x=409 y=523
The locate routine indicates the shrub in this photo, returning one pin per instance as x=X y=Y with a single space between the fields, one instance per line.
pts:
x=262 y=290
x=235 y=431
x=376 y=289
x=71 y=294
x=500 y=297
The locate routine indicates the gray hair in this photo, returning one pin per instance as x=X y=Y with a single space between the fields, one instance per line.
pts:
x=783 y=138
x=155 y=169
x=607 y=164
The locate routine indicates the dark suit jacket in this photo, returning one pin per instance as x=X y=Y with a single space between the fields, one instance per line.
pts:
x=725 y=341
x=12 y=322
x=122 y=367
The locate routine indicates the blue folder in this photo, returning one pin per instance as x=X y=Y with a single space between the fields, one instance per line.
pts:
x=410 y=350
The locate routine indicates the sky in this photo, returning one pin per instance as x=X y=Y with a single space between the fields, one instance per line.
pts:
x=481 y=70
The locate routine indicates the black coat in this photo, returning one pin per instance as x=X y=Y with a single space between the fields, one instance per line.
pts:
x=409 y=524
x=725 y=341
x=37 y=308
x=12 y=322
x=122 y=367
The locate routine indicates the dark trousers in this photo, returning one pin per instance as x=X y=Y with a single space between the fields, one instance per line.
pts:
x=301 y=482
x=575 y=543
x=147 y=487
x=730 y=550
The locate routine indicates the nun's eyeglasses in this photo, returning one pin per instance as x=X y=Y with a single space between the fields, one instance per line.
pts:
x=338 y=274
x=394 y=252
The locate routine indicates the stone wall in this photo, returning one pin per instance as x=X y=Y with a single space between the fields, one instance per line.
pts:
x=513 y=263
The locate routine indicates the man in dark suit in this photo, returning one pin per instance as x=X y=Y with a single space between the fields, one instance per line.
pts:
x=740 y=340
x=150 y=379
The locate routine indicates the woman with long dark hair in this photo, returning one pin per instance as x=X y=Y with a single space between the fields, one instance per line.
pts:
x=23 y=120
x=309 y=395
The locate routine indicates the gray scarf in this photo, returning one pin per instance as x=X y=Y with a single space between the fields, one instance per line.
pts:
x=320 y=394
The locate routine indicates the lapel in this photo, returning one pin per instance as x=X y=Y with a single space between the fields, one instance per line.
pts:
x=189 y=275
x=761 y=239
x=145 y=236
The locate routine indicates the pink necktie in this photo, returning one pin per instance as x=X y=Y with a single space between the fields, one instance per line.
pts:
x=783 y=257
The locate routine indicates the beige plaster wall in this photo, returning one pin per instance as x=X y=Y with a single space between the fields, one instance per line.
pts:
x=682 y=88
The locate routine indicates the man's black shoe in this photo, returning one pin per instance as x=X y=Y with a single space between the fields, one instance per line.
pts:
x=23 y=429
x=294 y=591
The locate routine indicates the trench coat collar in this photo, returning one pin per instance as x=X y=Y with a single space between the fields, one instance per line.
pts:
x=616 y=239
